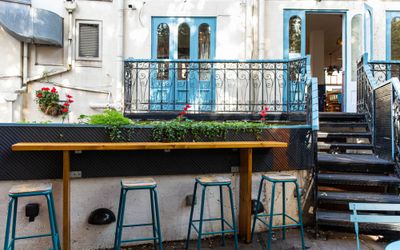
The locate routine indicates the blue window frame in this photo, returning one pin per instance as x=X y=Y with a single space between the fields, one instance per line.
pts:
x=392 y=35
x=368 y=30
x=189 y=38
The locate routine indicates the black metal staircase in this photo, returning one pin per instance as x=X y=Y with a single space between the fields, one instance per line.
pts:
x=348 y=171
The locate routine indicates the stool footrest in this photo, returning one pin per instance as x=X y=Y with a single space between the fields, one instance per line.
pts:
x=32 y=236
x=138 y=225
x=215 y=219
x=140 y=239
x=297 y=223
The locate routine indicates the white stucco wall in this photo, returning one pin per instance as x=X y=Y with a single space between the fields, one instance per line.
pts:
x=90 y=194
x=234 y=40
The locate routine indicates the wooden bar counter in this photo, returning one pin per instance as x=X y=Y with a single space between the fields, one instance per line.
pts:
x=246 y=165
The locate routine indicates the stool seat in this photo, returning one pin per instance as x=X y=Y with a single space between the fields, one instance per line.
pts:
x=280 y=177
x=30 y=188
x=213 y=180
x=138 y=182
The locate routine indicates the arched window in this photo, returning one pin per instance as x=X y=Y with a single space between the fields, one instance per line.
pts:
x=356 y=44
x=184 y=41
x=395 y=39
x=204 y=41
x=163 y=50
x=162 y=41
x=294 y=36
x=183 y=49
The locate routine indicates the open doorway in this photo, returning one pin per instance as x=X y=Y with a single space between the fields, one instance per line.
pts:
x=324 y=36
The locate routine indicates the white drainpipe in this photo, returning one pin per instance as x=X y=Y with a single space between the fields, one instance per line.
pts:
x=120 y=54
x=261 y=25
x=24 y=64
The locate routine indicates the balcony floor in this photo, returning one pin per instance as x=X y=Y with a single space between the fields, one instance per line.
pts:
x=329 y=240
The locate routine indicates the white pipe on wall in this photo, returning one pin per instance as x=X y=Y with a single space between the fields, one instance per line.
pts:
x=70 y=28
x=120 y=53
x=261 y=26
x=24 y=64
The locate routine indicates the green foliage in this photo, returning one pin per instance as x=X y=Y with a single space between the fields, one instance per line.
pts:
x=112 y=119
x=176 y=131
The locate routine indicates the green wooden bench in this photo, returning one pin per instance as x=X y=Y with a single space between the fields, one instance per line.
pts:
x=374 y=218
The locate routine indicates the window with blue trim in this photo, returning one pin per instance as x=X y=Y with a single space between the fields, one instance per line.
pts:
x=395 y=38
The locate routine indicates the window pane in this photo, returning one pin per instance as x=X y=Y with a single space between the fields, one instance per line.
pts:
x=163 y=41
x=295 y=35
x=356 y=44
x=204 y=41
x=163 y=50
x=183 y=49
x=395 y=38
x=88 y=40
x=204 y=51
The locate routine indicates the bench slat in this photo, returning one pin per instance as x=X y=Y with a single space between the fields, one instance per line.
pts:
x=392 y=219
x=374 y=207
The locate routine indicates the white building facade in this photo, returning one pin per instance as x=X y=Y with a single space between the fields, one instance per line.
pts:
x=98 y=35
x=334 y=33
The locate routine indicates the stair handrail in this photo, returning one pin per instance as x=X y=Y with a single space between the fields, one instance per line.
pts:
x=366 y=84
x=366 y=94
x=394 y=84
x=312 y=113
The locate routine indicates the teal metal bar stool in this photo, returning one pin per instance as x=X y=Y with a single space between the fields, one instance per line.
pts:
x=139 y=184
x=29 y=190
x=214 y=181
x=282 y=179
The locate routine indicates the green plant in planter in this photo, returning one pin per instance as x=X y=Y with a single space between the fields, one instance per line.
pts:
x=176 y=131
x=112 y=119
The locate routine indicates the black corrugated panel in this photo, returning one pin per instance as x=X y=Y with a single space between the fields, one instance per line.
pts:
x=47 y=165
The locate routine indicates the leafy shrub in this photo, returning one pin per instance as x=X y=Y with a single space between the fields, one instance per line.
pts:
x=112 y=119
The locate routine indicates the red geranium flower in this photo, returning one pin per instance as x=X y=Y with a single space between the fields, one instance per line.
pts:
x=45 y=89
x=65 y=110
x=66 y=104
x=69 y=96
x=39 y=95
x=70 y=100
x=53 y=90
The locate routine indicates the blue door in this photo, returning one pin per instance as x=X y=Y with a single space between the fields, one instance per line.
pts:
x=186 y=78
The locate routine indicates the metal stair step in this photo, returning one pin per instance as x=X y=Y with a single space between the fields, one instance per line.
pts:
x=357 y=179
x=327 y=135
x=342 y=220
x=364 y=163
x=346 y=197
x=340 y=116
x=342 y=124
x=327 y=146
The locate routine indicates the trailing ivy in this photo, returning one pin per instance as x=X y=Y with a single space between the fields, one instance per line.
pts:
x=120 y=128
x=177 y=131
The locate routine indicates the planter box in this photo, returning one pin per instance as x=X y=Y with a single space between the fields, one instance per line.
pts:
x=47 y=165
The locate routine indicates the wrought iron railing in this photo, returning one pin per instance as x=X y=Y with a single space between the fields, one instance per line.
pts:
x=215 y=86
x=365 y=93
x=378 y=96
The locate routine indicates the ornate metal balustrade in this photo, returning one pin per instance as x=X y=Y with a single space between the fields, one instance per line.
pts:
x=378 y=96
x=382 y=71
x=215 y=86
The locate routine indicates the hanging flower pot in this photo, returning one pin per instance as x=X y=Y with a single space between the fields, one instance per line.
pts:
x=50 y=103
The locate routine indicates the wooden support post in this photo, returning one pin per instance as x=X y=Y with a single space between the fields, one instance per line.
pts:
x=66 y=200
x=246 y=169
